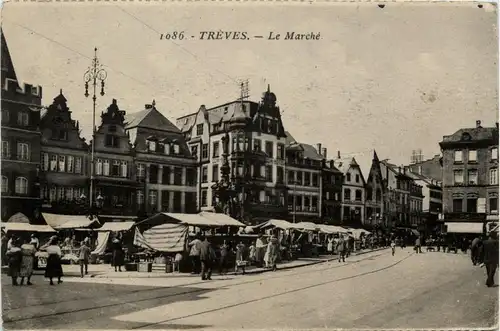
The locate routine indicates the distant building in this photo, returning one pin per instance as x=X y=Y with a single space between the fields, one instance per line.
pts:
x=375 y=193
x=432 y=201
x=303 y=173
x=164 y=168
x=331 y=191
x=417 y=218
x=353 y=191
x=65 y=164
x=21 y=106
x=431 y=168
x=470 y=175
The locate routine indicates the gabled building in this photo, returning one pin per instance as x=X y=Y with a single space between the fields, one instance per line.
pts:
x=416 y=204
x=249 y=138
x=353 y=191
x=432 y=201
x=376 y=190
x=470 y=175
x=303 y=174
x=65 y=160
x=163 y=164
x=114 y=170
x=21 y=107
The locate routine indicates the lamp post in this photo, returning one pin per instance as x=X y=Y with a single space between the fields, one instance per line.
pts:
x=94 y=74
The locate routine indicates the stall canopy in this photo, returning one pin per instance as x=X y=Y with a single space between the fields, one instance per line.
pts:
x=280 y=224
x=102 y=242
x=308 y=226
x=358 y=232
x=331 y=229
x=464 y=227
x=116 y=226
x=202 y=220
x=64 y=222
x=170 y=238
x=19 y=222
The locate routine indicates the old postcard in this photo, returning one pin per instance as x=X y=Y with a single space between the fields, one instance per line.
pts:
x=249 y=165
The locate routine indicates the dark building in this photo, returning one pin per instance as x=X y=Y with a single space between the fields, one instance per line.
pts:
x=21 y=106
x=470 y=175
x=114 y=170
x=163 y=164
x=331 y=192
x=65 y=161
x=375 y=193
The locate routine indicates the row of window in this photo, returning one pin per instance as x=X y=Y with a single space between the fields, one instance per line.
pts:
x=241 y=143
x=22 y=150
x=472 y=155
x=166 y=148
x=302 y=203
x=348 y=178
x=62 y=163
x=358 y=195
x=23 y=118
x=303 y=178
x=57 y=193
x=167 y=173
x=472 y=177
x=114 y=168
x=416 y=205
x=20 y=187
x=472 y=205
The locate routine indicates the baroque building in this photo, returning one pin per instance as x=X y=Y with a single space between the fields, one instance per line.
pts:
x=240 y=148
x=64 y=160
x=164 y=168
x=21 y=107
x=470 y=175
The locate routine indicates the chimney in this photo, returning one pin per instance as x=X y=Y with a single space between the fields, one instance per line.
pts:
x=332 y=164
x=399 y=169
x=114 y=101
x=318 y=148
x=338 y=154
x=496 y=124
x=478 y=124
x=324 y=152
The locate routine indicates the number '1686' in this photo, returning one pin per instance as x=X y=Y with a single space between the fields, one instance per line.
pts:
x=172 y=36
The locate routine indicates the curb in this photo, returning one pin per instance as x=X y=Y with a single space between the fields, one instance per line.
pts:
x=249 y=272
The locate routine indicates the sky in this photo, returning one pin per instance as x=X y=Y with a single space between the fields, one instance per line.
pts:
x=393 y=79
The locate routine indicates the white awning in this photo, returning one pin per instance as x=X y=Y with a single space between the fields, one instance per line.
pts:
x=464 y=227
x=61 y=222
x=221 y=218
x=203 y=219
x=331 y=229
x=15 y=226
x=116 y=226
x=280 y=224
x=308 y=226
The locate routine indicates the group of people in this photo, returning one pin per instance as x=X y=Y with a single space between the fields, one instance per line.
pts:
x=484 y=252
x=343 y=246
x=204 y=257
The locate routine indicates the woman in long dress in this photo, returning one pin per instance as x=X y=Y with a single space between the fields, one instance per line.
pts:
x=329 y=246
x=118 y=254
x=28 y=257
x=14 y=257
x=54 y=267
x=272 y=252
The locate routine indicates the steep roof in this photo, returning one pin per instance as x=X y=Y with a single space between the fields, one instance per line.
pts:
x=150 y=118
x=472 y=134
x=311 y=153
x=8 y=70
x=343 y=164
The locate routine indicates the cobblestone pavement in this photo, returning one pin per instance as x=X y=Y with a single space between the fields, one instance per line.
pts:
x=374 y=290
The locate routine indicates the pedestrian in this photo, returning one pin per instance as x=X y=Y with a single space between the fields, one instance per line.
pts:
x=252 y=253
x=474 y=250
x=194 y=254
x=83 y=257
x=341 y=248
x=28 y=251
x=272 y=252
x=5 y=239
x=118 y=253
x=393 y=247
x=54 y=267
x=240 y=262
x=418 y=247
x=206 y=258
x=260 y=250
x=329 y=245
x=490 y=258
x=14 y=257
x=223 y=258
x=177 y=262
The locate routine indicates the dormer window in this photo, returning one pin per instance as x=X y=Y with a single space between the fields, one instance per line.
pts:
x=176 y=148
x=466 y=136
x=112 y=141
x=152 y=145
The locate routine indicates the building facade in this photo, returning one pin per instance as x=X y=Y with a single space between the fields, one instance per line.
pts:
x=255 y=155
x=21 y=107
x=431 y=168
x=304 y=165
x=164 y=168
x=470 y=174
x=353 y=191
x=416 y=204
x=432 y=201
x=64 y=161
x=115 y=181
x=375 y=193
x=331 y=193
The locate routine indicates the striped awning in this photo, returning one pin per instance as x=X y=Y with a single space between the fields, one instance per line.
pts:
x=169 y=238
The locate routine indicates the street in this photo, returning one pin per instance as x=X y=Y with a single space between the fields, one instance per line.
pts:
x=375 y=290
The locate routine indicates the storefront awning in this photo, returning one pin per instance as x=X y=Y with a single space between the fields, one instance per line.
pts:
x=63 y=222
x=464 y=227
x=116 y=226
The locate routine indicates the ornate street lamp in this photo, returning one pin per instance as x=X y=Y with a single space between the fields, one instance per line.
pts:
x=94 y=74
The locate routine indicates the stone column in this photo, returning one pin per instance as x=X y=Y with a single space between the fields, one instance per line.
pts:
x=160 y=174
x=172 y=175
x=183 y=198
x=184 y=179
x=146 y=187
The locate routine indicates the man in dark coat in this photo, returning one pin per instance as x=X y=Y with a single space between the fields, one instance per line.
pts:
x=474 y=250
x=206 y=256
x=490 y=258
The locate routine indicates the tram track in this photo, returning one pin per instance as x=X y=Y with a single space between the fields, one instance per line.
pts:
x=7 y=320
